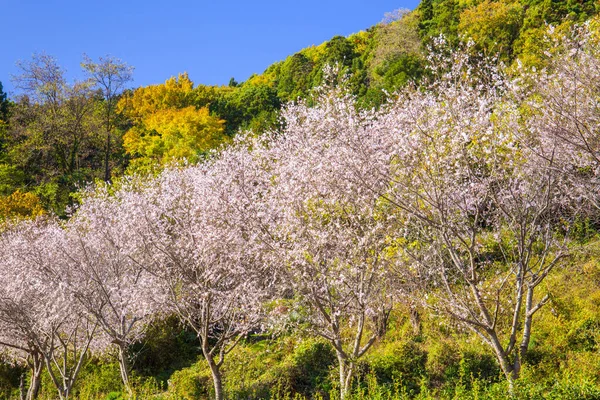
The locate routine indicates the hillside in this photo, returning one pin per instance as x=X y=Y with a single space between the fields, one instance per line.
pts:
x=389 y=215
x=379 y=60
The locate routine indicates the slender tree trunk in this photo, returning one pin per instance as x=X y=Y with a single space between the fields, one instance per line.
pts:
x=216 y=375
x=22 y=387
x=501 y=356
x=215 y=369
x=61 y=386
x=524 y=345
x=63 y=394
x=415 y=320
x=124 y=367
x=507 y=368
x=34 y=386
x=36 y=377
x=203 y=334
x=346 y=372
x=108 y=128
x=107 y=158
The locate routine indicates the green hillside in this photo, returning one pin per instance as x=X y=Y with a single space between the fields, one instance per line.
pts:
x=378 y=60
x=432 y=73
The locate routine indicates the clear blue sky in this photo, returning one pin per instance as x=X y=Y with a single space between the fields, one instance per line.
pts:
x=211 y=40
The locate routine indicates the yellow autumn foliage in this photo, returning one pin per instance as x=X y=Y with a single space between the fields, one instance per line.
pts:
x=174 y=134
x=168 y=124
x=263 y=79
x=176 y=92
x=20 y=205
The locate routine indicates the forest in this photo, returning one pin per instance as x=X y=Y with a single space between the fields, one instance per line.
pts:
x=410 y=212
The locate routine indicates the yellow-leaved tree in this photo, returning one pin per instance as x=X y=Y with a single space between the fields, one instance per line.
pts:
x=493 y=25
x=19 y=205
x=176 y=92
x=168 y=125
x=173 y=135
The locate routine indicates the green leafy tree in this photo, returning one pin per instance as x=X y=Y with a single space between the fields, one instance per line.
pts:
x=4 y=109
x=446 y=16
x=51 y=142
x=248 y=106
x=339 y=50
x=4 y=104
x=425 y=10
x=110 y=76
x=294 y=77
x=493 y=26
x=400 y=70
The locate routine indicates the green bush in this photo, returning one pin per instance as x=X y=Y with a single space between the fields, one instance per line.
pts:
x=304 y=372
x=401 y=363
x=190 y=383
x=98 y=380
x=9 y=380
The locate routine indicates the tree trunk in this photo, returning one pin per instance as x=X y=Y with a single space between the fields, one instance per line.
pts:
x=216 y=375
x=63 y=393
x=346 y=372
x=34 y=386
x=505 y=365
x=36 y=377
x=107 y=158
x=124 y=367
x=524 y=346
x=215 y=369
x=415 y=320
x=22 y=387
x=62 y=386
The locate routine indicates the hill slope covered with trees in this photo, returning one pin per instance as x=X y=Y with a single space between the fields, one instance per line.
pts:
x=396 y=214
x=54 y=140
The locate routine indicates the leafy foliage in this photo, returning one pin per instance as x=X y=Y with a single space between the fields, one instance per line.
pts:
x=172 y=134
x=20 y=205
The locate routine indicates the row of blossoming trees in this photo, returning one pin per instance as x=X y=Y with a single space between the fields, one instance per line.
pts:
x=458 y=196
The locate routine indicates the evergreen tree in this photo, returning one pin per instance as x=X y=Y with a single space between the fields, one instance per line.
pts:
x=3 y=104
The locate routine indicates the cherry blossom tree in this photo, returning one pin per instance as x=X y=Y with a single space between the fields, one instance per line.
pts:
x=332 y=231
x=564 y=100
x=100 y=251
x=198 y=241
x=459 y=194
x=41 y=319
x=19 y=309
x=467 y=178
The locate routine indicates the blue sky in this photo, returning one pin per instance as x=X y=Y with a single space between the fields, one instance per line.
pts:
x=211 y=40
